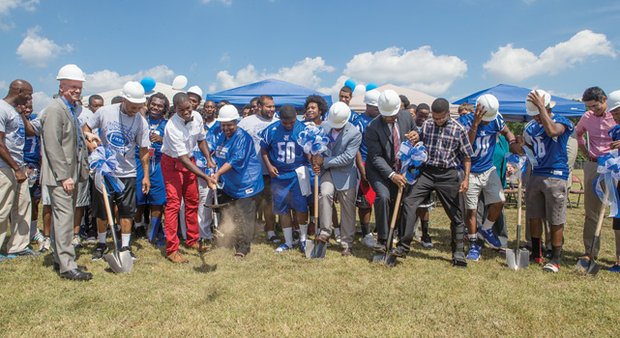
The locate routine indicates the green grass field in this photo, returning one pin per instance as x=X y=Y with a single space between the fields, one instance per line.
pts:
x=287 y=295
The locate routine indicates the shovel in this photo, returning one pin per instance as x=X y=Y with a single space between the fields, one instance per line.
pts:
x=316 y=249
x=119 y=262
x=591 y=267
x=518 y=258
x=386 y=258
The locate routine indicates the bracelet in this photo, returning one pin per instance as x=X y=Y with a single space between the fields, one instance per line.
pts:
x=514 y=140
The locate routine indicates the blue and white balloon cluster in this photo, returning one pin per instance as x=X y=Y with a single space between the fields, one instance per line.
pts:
x=608 y=174
x=103 y=162
x=201 y=162
x=412 y=157
x=313 y=140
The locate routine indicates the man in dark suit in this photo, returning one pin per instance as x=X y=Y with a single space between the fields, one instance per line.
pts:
x=383 y=138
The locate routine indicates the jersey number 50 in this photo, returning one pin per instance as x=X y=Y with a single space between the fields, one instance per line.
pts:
x=286 y=152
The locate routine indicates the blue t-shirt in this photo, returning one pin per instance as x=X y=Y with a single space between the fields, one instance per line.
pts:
x=281 y=145
x=32 y=148
x=550 y=152
x=245 y=178
x=212 y=132
x=614 y=132
x=361 y=123
x=484 y=143
x=156 y=126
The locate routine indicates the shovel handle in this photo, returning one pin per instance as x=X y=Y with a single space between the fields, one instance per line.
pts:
x=108 y=212
x=388 y=243
x=601 y=215
x=216 y=222
x=316 y=204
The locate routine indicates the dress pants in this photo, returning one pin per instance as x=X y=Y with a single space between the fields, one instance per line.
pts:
x=592 y=206
x=346 y=199
x=63 y=209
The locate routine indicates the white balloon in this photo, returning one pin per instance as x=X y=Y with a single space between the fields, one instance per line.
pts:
x=179 y=82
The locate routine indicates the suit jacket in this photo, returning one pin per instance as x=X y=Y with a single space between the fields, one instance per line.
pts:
x=378 y=137
x=339 y=159
x=60 y=157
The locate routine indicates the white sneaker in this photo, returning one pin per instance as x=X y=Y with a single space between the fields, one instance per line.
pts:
x=46 y=245
x=369 y=241
x=38 y=237
x=76 y=242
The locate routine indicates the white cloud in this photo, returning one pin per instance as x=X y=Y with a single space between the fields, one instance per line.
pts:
x=224 y=2
x=40 y=100
x=516 y=64
x=418 y=69
x=4 y=85
x=305 y=73
x=6 y=6
x=37 y=50
x=106 y=79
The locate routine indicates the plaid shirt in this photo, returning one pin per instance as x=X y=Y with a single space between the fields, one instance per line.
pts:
x=446 y=145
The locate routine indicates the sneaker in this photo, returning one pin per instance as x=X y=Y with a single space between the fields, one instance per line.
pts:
x=46 y=245
x=37 y=238
x=474 y=253
x=427 y=242
x=273 y=240
x=24 y=253
x=551 y=267
x=338 y=239
x=615 y=268
x=490 y=238
x=76 y=242
x=139 y=232
x=283 y=247
x=176 y=257
x=302 y=246
x=99 y=251
x=369 y=241
x=127 y=248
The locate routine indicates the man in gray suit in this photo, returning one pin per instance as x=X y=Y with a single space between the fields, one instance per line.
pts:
x=338 y=175
x=63 y=164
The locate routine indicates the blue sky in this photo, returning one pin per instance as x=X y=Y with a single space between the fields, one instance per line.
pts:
x=445 y=48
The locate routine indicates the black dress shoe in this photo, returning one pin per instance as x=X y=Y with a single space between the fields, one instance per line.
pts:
x=81 y=267
x=399 y=252
x=77 y=274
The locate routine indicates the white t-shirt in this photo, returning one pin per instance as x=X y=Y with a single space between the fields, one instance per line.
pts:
x=253 y=125
x=180 y=138
x=121 y=134
x=14 y=133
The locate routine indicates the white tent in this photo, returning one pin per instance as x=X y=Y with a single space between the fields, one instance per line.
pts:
x=165 y=89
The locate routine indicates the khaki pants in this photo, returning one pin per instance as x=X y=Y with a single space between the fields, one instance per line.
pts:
x=63 y=208
x=592 y=207
x=15 y=210
x=346 y=198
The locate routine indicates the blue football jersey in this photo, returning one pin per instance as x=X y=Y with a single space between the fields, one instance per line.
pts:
x=32 y=148
x=156 y=126
x=284 y=152
x=614 y=132
x=245 y=177
x=550 y=152
x=484 y=143
x=361 y=122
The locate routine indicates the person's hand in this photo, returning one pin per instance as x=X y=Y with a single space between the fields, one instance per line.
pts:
x=211 y=164
x=363 y=175
x=399 y=180
x=68 y=185
x=146 y=185
x=516 y=148
x=273 y=171
x=413 y=137
x=20 y=175
x=92 y=141
x=464 y=185
x=537 y=100
x=479 y=114
x=510 y=170
x=615 y=145
x=154 y=138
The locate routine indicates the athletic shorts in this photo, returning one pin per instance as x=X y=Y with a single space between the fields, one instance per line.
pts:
x=35 y=191
x=287 y=195
x=157 y=193
x=83 y=196
x=487 y=183
x=45 y=196
x=125 y=200
x=545 y=198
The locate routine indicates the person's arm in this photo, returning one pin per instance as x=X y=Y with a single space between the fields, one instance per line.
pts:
x=20 y=175
x=206 y=152
x=552 y=129
x=29 y=129
x=478 y=114
x=466 y=168
x=144 y=158
x=348 y=156
x=216 y=177
x=360 y=166
x=189 y=165
x=273 y=171
x=513 y=145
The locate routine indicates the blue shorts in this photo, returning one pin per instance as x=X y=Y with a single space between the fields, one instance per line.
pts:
x=287 y=194
x=157 y=193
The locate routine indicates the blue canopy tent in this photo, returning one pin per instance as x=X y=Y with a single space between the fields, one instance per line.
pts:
x=282 y=92
x=512 y=102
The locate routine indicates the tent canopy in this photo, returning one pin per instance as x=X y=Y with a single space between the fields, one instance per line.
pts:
x=512 y=102
x=282 y=92
x=415 y=97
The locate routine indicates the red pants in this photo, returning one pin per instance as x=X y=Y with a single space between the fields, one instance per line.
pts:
x=180 y=184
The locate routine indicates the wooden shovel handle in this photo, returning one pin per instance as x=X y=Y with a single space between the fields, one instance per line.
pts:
x=316 y=203
x=601 y=215
x=396 y=207
x=108 y=212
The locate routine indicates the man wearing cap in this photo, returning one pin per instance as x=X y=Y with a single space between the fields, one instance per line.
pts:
x=122 y=130
x=545 y=196
x=183 y=133
x=338 y=175
x=384 y=136
x=253 y=125
x=15 y=208
x=63 y=165
x=240 y=172
x=483 y=127
x=448 y=148
x=365 y=194
x=596 y=122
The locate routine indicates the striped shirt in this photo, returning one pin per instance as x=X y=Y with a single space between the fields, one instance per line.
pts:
x=447 y=145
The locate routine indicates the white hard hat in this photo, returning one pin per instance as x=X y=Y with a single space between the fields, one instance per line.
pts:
x=338 y=116
x=133 y=92
x=228 y=113
x=371 y=97
x=195 y=90
x=70 y=72
x=388 y=103
x=613 y=100
x=531 y=108
x=490 y=104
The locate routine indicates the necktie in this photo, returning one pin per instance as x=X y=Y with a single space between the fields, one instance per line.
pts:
x=396 y=143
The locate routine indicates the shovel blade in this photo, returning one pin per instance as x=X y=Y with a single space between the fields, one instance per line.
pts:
x=511 y=260
x=524 y=258
x=309 y=248
x=378 y=258
x=593 y=268
x=121 y=264
x=582 y=266
x=319 y=250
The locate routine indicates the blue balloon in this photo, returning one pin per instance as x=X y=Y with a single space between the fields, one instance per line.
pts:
x=350 y=83
x=371 y=86
x=148 y=83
